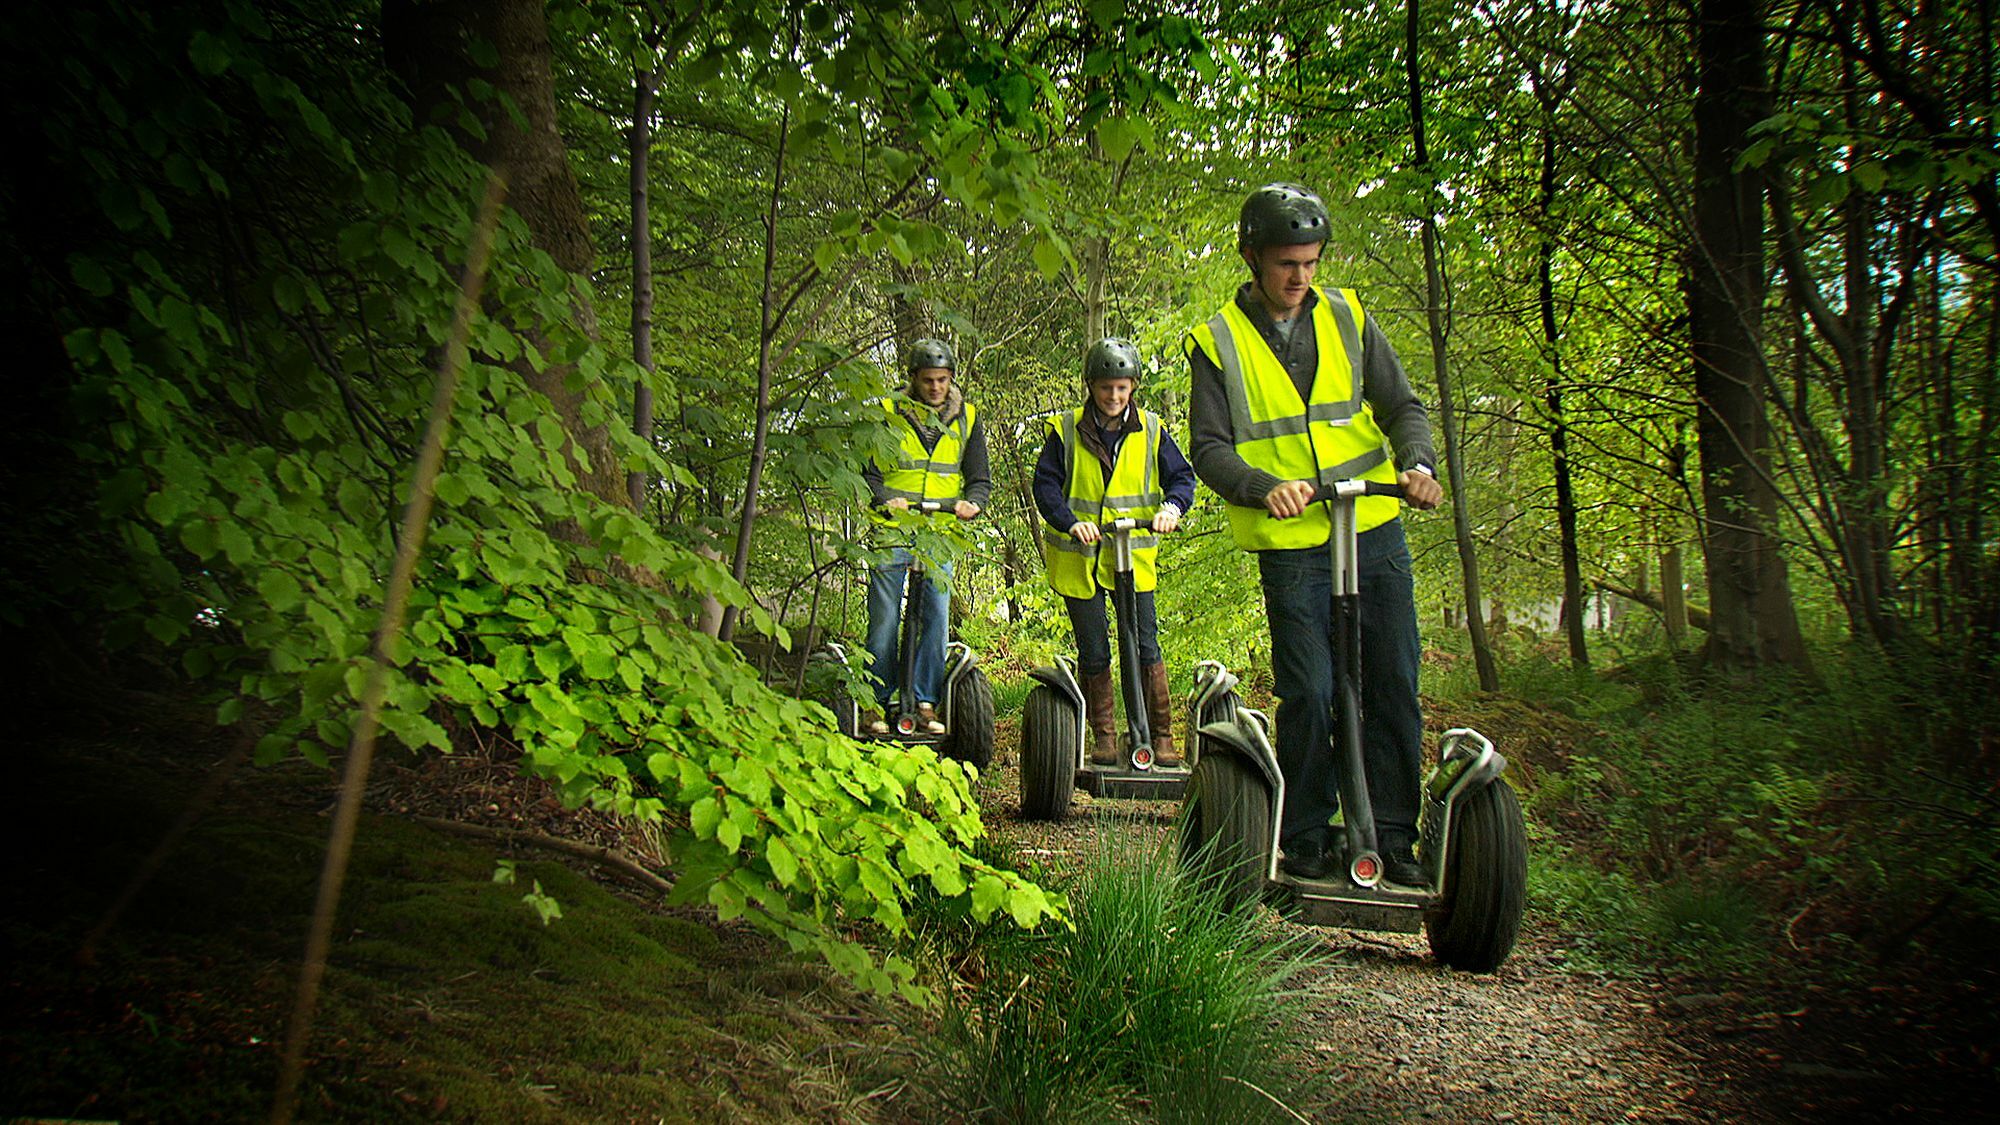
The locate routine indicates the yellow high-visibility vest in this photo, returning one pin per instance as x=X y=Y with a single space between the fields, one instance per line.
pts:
x=1133 y=489
x=1332 y=437
x=920 y=474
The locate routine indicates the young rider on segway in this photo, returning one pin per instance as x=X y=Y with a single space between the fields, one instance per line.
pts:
x=941 y=457
x=1294 y=387
x=1105 y=460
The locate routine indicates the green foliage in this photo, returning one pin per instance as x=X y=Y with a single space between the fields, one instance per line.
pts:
x=1157 y=998
x=1730 y=830
x=258 y=409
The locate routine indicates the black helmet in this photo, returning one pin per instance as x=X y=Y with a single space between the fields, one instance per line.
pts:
x=1112 y=358
x=928 y=352
x=1281 y=215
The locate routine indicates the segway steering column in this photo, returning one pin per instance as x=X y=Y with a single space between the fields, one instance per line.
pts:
x=1125 y=601
x=1364 y=860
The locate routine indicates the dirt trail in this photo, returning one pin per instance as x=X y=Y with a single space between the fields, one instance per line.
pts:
x=1539 y=1041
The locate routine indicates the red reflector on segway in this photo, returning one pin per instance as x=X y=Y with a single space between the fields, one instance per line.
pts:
x=1364 y=868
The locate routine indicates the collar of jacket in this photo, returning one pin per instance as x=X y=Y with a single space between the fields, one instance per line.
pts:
x=1091 y=435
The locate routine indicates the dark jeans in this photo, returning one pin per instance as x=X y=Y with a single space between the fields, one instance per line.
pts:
x=1298 y=597
x=1089 y=621
x=886 y=591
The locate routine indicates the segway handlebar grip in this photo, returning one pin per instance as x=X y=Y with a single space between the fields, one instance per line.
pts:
x=1349 y=489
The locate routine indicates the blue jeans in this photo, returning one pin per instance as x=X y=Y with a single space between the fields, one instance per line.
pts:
x=885 y=613
x=1298 y=597
x=1088 y=621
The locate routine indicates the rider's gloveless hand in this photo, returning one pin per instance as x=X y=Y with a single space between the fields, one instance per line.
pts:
x=1420 y=489
x=1289 y=498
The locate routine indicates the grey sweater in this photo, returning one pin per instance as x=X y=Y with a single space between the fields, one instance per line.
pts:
x=1384 y=386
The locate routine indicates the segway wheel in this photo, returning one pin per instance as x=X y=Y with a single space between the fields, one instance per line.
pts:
x=1226 y=828
x=1049 y=730
x=1486 y=882
x=846 y=713
x=968 y=735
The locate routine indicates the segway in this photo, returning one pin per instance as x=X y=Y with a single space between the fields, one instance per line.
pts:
x=1053 y=762
x=965 y=706
x=1472 y=838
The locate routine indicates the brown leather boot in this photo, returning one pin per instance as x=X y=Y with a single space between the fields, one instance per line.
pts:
x=1097 y=699
x=1160 y=716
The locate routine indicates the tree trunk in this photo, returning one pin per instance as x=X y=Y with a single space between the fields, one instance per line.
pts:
x=760 y=441
x=426 y=43
x=1674 y=609
x=1752 y=620
x=643 y=83
x=1552 y=397
x=1468 y=561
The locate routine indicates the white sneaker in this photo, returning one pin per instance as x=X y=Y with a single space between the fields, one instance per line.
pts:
x=927 y=716
x=873 y=722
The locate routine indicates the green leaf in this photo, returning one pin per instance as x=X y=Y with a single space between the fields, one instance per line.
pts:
x=987 y=892
x=209 y=54
x=1049 y=255
x=1118 y=136
x=784 y=864
x=703 y=816
x=281 y=591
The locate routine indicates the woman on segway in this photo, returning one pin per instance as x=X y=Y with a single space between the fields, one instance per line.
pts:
x=1108 y=458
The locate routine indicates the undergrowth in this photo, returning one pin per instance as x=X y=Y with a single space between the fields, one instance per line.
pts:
x=1159 y=1005
x=1831 y=824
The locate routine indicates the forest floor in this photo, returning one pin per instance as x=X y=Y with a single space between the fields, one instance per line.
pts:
x=1545 y=1039
x=448 y=1001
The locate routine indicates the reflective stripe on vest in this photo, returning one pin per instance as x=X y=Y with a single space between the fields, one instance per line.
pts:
x=1133 y=489
x=921 y=474
x=1332 y=436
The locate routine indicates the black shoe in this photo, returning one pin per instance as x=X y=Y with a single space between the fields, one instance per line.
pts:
x=1399 y=865
x=1307 y=861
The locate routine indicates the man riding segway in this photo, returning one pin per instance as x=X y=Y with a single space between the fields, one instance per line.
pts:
x=940 y=461
x=1292 y=388
x=1106 y=460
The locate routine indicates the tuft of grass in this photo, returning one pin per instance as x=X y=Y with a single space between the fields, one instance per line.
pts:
x=1159 y=1005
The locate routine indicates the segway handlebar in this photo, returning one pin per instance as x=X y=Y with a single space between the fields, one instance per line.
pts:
x=1126 y=523
x=1350 y=489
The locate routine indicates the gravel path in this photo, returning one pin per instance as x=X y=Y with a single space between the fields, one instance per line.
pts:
x=1538 y=1041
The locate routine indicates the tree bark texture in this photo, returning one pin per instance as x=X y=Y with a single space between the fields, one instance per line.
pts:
x=1752 y=620
x=429 y=44
x=643 y=82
